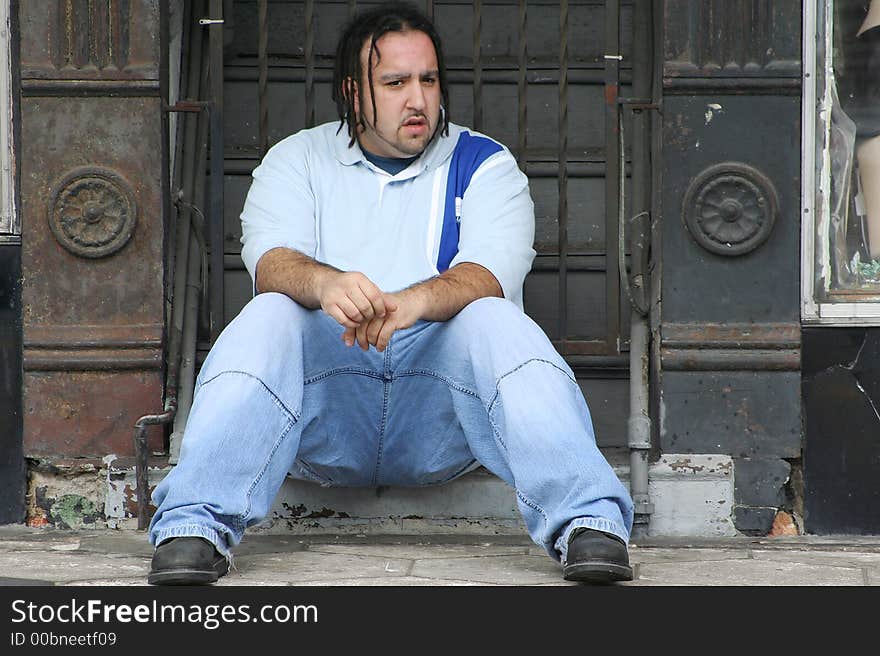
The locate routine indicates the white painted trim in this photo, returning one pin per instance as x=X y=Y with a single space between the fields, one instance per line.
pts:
x=9 y=223
x=809 y=308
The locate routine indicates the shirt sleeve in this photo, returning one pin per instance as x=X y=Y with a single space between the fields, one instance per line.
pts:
x=497 y=227
x=279 y=210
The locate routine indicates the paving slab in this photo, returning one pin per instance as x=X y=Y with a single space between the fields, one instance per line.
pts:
x=684 y=555
x=747 y=572
x=66 y=567
x=504 y=570
x=286 y=569
x=815 y=557
x=422 y=551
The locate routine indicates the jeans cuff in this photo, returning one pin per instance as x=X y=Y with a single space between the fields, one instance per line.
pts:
x=193 y=531
x=596 y=523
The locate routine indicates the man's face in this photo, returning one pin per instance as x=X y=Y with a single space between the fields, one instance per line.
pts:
x=406 y=87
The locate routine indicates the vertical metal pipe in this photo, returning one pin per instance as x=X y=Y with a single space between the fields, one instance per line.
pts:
x=263 y=82
x=478 y=65
x=309 y=54
x=215 y=45
x=429 y=8
x=562 y=178
x=191 y=282
x=639 y=425
x=195 y=129
x=612 y=173
x=188 y=355
x=522 y=120
x=352 y=8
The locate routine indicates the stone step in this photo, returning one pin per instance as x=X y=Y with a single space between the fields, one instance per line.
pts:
x=692 y=497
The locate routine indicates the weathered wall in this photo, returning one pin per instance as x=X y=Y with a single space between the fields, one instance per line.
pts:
x=92 y=223
x=730 y=321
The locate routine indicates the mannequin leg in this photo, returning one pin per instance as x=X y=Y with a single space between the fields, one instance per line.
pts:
x=868 y=156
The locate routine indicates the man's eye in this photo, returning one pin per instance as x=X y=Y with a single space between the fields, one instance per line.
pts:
x=428 y=80
x=395 y=83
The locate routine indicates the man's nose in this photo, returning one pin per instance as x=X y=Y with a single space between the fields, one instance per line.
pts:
x=417 y=97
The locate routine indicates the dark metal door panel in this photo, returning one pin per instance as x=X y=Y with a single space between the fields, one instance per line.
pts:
x=92 y=171
x=730 y=239
x=13 y=474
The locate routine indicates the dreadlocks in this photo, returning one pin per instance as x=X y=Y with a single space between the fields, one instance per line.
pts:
x=347 y=71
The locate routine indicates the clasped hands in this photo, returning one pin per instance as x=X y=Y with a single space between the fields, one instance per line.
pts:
x=369 y=315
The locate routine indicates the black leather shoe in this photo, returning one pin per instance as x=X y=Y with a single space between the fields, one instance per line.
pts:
x=187 y=561
x=596 y=557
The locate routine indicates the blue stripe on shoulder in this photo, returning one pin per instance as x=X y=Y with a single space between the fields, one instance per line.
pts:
x=470 y=152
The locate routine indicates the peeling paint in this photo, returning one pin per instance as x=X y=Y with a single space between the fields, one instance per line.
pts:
x=711 y=108
x=685 y=465
x=66 y=494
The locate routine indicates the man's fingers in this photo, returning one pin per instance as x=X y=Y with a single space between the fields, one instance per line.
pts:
x=373 y=330
x=384 y=335
x=348 y=336
x=350 y=310
x=361 y=334
x=374 y=297
x=364 y=305
x=337 y=313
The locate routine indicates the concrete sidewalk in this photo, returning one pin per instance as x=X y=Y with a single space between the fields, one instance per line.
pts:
x=122 y=558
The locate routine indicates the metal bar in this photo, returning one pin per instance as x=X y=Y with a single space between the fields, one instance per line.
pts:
x=613 y=172
x=534 y=168
x=562 y=150
x=309 y=54
x=641 y=163
x=190 y=245
x=352 y=8
x=291 y=70
x=477 y=64
x=429 y=8
x=215 y=44
x=522 y=88
x=263 y=84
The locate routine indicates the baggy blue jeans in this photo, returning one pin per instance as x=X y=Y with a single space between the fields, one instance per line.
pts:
x=281 y=393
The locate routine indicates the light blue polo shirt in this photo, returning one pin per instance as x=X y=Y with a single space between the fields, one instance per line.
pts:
x=463 y=200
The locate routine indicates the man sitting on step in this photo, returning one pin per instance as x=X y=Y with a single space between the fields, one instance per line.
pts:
x=386 y=343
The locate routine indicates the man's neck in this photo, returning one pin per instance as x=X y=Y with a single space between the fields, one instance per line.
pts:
x=392 y=165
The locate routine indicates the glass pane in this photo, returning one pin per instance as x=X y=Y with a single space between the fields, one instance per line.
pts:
x=848 y=151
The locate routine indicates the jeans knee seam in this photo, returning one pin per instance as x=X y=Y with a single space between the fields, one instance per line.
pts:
x=291 y=414
x=517 y=368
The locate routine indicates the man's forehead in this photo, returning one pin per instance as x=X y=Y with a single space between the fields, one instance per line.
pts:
x=379 y=52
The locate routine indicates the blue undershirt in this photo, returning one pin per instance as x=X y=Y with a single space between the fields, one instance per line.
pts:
x=391 y=165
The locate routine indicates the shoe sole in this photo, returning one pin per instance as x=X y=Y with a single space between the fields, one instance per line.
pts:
x=597 y=573
x=188 y=576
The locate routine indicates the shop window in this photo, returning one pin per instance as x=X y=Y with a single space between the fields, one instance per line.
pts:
x=841 y=161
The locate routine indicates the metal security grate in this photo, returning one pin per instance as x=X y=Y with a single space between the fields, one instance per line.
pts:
x=542 y=77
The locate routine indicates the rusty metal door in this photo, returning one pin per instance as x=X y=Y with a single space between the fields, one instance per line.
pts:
x=544 y=78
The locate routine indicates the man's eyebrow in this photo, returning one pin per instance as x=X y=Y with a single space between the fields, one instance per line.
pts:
x=390 y=77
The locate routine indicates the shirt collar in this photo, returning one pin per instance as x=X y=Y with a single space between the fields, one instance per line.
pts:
x=436 y=152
